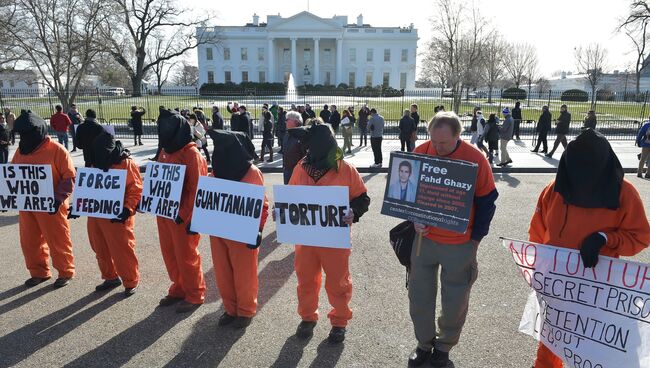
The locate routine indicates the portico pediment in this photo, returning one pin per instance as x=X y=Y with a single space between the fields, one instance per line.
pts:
x=304 y=21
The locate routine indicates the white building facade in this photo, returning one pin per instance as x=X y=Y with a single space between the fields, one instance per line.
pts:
x=326 y=51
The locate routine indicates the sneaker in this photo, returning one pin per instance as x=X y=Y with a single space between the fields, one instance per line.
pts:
x=419 y=357
x=61 y=282
x=242 y=322
x=186 y=307
x=108 y=284
x=305 y=329
x=168 y=301
x=535 y=151
x=337 y=335
x=130 y=291
x=33 y=281
x=226 y=319
x=439 y=359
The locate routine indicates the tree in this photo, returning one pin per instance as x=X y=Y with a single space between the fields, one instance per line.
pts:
x=132 y=27
x=531 y=71
x=590 y=61
x=109 y=72
x=187 y=75
x=160 y=70
x=635 y=27
x=517 y=60
x=493 y=65
x=543 y=85
x=59 y=39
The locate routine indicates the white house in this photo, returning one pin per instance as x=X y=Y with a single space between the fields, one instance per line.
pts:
x=315 y=50
x=21 y=83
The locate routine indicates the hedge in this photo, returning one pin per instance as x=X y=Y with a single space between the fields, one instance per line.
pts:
x=575 y=95
x=514 y=94
x=280 y=88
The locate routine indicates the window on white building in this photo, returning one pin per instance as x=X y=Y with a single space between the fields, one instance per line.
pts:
x=286 y=56
x=352 y=76
x=386 y=80
x=369 y=79
x=387 y=55
x=402 y=80
x=405 y=55
x=244 y=76
x=306 y=55
x=227 y=77
x=226 y=53
x=244 y=54
x=327 y=56
x=208 y=53
x=370 y=55
x=353 y=55
x=260 y=54
x=210 y=77
x=328 y=78
x=262 y=77
x=11 y=84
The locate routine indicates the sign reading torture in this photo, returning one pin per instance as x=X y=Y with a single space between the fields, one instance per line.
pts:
x=312 y=215
x=26 y=188
x=228 y=209
x=98 y=193
x=162 y=189
x=590 y=317
x=431 y=190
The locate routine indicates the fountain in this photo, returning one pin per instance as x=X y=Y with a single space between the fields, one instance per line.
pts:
x=292 y=94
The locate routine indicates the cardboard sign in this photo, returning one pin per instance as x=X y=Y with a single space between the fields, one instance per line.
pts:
x=312 y=215
x=162 y=189
x=228 y=209
x=589 y=317
x=26 y=188
x=98 y=193
x=435 y=191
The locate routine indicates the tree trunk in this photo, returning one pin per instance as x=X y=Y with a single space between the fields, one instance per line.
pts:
x=490 y=95
x=593 y=96
x=136 y=82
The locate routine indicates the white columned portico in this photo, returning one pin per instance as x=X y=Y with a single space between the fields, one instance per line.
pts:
x=339 y=60
x=271 y=55
x=316 y=72
x=293 y=58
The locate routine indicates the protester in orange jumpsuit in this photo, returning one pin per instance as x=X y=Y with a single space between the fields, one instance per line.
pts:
x=42 y=234
x=178 y=244
x=114 y=240
x=324 y=166
x=235 y=263
x=590 y=207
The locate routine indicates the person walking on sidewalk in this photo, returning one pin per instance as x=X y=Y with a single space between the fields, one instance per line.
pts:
x=346 y=130
x=364 y=113
x=516 y=116
x=416 y=119
x=267 y=133
x=61 y=122
x=76 y=119
x=376 y=127
x=643 y=141
x=136 y=124
x=480 y=129
x=280 y=128
x=4 y=140
x=406 y=129
x=473 y=129
x=542 y=128
x=561 y=130
x=325 y=113
x=505 y=135
x=335 y=119
x=491 y=134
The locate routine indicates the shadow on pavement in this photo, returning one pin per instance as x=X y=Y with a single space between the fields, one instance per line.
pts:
x=509 y=179
x=8 y=220
x=25 y=341
x=291 y=352
x=19 y=302
x=328 y=355
x=366 y=178
x=12 y=292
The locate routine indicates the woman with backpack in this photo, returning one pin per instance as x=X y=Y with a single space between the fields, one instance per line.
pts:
x=491 y=134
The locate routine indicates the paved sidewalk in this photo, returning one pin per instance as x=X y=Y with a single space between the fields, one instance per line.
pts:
x=524 y=161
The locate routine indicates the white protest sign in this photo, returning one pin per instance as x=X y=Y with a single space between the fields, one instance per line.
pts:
x=589 y=317
x=26 y=188
x=162 y=189
x=98 y=193
x=228 y=209
x=312 y=215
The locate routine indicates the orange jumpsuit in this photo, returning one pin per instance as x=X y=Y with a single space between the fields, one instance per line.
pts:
x=235 y=265
x=310 y=261
x=40 y=232
x=114 y=242
x=627 y=230
x=179 y=249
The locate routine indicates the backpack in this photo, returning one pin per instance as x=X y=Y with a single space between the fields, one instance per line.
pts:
x=401 y=239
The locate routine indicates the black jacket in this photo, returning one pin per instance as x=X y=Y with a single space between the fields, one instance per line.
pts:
x=268 y=125
x=363 y=118
x=406 y=127
x=335 y=119
x=4 y=135
x=325 y=115
x=563 y=123
x=544 y=122
x=217 y=121
x=516 y=113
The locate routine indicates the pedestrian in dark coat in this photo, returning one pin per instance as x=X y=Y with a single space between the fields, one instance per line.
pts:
x=136 y=124
x=516 y=115
x=492 y=136
x=335 y=119
x=364 y=113
x=542 y=129
x=561 y=130
x=217 y=119
x=325 y=114
x=267 y=134
x=406 y=129
x=590 y=120
x=281 y=128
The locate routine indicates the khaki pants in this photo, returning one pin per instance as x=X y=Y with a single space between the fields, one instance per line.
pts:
x=505 y=157
x=645 y=158
x=459 y=270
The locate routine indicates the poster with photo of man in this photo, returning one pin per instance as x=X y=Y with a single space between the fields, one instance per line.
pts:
x=405 y=184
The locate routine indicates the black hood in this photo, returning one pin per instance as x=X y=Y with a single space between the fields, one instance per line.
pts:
x=231 y=158
x=32 y=129
x=174 y=132
x=590 y=174
x=323 y=151
x=107 y=151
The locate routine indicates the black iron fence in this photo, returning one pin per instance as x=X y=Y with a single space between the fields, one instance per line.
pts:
x=618 y=118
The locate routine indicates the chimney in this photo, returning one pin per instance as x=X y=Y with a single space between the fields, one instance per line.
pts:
x=256 y=20
x=360 y=20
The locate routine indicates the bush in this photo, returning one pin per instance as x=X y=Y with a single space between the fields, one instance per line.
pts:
x=514 y=94
x=575 y=95
x=605 y=95
x=232 y=89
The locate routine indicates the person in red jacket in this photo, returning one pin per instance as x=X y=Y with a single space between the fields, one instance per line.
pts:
x=60 y=122
x=591 y=207
x=44 y=234
x=178 y=244
x=114 y=240
x=235 y=263
x=324 y=166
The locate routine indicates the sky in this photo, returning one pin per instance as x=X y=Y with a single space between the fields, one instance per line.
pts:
x=555 y=27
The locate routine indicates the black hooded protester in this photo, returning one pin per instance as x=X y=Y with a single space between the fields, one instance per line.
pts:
x=86 y=134
x=589 y=207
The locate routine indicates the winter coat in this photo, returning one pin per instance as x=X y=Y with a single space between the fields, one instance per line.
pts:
x=217 y=120
x=335 y=119
x=544 y=123
x=363 y=117
x=406 y=128
x=136 y=121
x=643 y=138
x=589 y=122
x=491 y=133
x=563 y=123
x=506 y=130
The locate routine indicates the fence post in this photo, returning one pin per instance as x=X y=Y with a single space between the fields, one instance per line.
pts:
x=549 y=100
x=2 y=103
x=645 y=101
x=49 y=98
x=146 y=96
x=99 y=102
x=402 y=90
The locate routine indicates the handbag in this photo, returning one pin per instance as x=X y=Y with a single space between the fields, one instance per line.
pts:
x=401 y=239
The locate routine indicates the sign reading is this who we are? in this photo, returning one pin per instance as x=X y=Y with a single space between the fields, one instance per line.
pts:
x=162 y=189
x=26 y=188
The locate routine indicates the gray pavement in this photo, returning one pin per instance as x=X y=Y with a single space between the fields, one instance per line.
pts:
x=75 y=327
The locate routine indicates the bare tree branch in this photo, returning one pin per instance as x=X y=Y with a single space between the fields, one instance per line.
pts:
x=591 y=61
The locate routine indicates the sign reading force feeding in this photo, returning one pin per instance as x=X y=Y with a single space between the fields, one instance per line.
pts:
x=98 y=193
x=162 y=189
x=431 y=190
x=26 y=188
x=312 y=215
x=228 y=209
